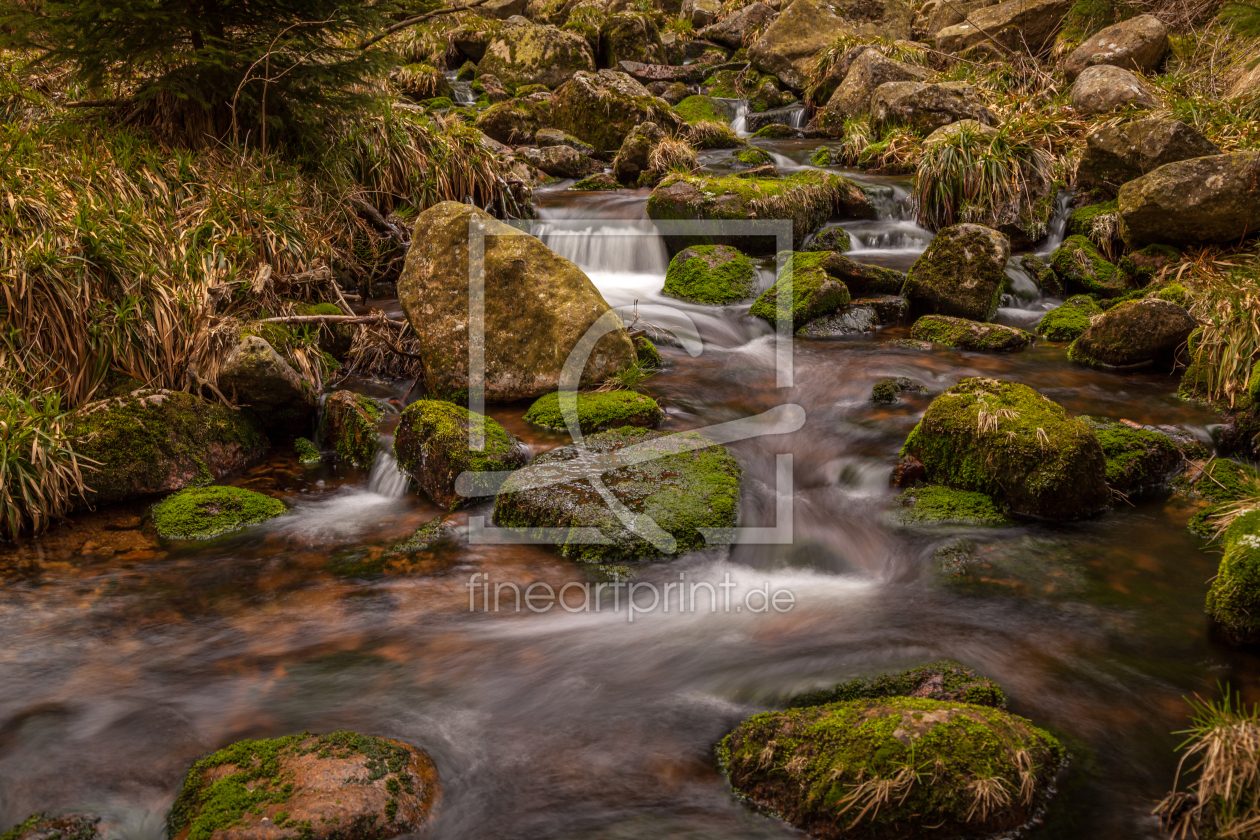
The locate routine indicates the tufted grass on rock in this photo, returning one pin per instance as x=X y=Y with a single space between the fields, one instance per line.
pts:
x=200 y=513
x=597 y=412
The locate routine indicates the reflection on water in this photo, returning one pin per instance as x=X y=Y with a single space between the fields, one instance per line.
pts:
x=126 y=657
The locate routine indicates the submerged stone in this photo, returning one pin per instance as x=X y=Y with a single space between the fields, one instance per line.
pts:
x=349 y=426
x=969 y=335
x=856 y=769
x=319 y=787
x=717 y=274
x=670 y=485
x=421 y=553
x=945 y=681
x=597 y=412
x=200 y=513
x=856 y=320
x=830 y=239
x=934 y=504
x=887 y=391
x=60 y=827
x=432 y=446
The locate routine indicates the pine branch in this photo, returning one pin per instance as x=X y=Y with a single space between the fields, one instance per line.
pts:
x=418 y=19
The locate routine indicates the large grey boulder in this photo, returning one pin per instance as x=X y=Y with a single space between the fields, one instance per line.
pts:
x=961 y=273
x=869 y=71
x=1103 y=88
x=631 y=37
x=1017 y=25
x=732 y=30
x=789 y=45
x=924 y=108
x=1135 y=333
x=1117 y=154
x=1137 y=44
x=255 y=375
x=525 y=54
x=1193 y=202
x=525 y=284
x=935 y=15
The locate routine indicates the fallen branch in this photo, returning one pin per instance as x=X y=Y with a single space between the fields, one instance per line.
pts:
x=376 y=318
x=446 y=10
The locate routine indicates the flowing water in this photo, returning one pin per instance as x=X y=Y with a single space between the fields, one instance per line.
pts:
x=125 y=658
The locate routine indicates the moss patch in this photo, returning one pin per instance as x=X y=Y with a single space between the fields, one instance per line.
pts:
x=1234 y=599
x=432 y=445
x=649 y=357
x=945 y=681
x=204 y=512
x=1138 y=460
x=1067 y=321
x=1084 y=271
x=968 y=335
x=775 y=131
x=887 y=391
x=752 y=156
x=597 y=412
x=307 y=452
x=933 y=503
x=697 y=109
x=717 y=274
x=349 y=426
x=814 y=293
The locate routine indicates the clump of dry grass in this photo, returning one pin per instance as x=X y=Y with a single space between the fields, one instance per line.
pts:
x=40 y=475
x=1225 y=347
x=710 y=134
x=672 y=154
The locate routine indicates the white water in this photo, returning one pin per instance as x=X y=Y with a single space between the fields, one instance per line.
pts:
x=623 y=246
x=350 y=513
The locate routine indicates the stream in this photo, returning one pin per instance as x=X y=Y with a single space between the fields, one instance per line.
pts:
x=125 y=658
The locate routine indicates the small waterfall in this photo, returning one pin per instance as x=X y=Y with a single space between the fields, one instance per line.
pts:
x=604 y=246
x=795 y=115
x=1058 y=224
x=739 y=124
x=463 y=90
x=386 y=479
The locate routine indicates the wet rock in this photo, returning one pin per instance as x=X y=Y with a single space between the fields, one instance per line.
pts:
x=599 y=181
x=1139 y=461
x=320 y=786
x=1042 y=274
x=432 y=446
x=631 y=37
x=776 y=131
x=425 y=552
x=830 y=239
x=936 y=505
x=676 y=92
x=1082 y=270
x=687 y=74
x=717 y=274
x=1192 y=202
x=525 y=54
x=562 y=162
x=631 y=166
x=806 y=764
x=733 y=30
x=200 y=513
x=1011 y=443
x=1017 y=25
x=307 y=452
x=525 y=282
x=597 y=412
x=491 y=87
x=751 y=157
x=924 y=108
x=888 y=391
x=1102 y=89
x=808 y=198
x=602 y=108
x=649 y=357
x=159 y=441
x=255 y=375
x=855 y=320
x=62 y=827
x=891 y=309
x=961 y=273
x=1067 y=321
x=787 y=47
x=861 y=278
x=944 y=681
x=969 y=335
x=349 y=427
x=1135 y=333
x=1233 y=602
x=870 y=70
x=1145 y=264
x=701 y=13
x=1138 y=44
x=673 y=486
x=516 y=120
x=814 y=294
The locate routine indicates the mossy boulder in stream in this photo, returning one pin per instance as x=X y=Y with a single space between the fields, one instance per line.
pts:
x=830 y=239
x=961 y=273
x=717 y=274
x=525 y=54
x=698 y=109
x=969 y=335
x=602 y=108
x=945 y=681
x=254 y=375
x=200 y=513
x=933 y=504
x=1134 y=334
x=597 y=412
x=340 y=786
x=349 y=426
x=888 y=391
x=515 y=120
x=158 y=441
x=1083 y=270
x=307 y=452
x=1234 y=599
x=1011 y=443
x=1067 y=321
x=1139 y=461
x=861 y=278
x=670 y=486
x=807 y=199
x=814 y=293
x=538 y=306
x=895 y=767
x=432 y=446
x=61 y=827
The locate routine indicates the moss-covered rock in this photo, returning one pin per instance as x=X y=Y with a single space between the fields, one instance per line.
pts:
x=944 y=681
x=869 y=71
x=597 y=182
x=1145 y=264
x=789 y=45
x=308 y=453
x=1132 y=334
x=775 y=131
x=894 y=767
x=1042 y=274
x=887 y=391
x=1006 y=440
x=814 y=293
x=1234 y=599
x=200 y=513
x=61 y=827
x=1118 y=153
x=1084 y=220
x=1084 y=271
x=432 y=446
x=160 y=441
x=649 y=356
x=750 y=157
x=1139 y=461
x=597 y=412
x=969 y=335
x=1067 y=321
x=830 y=239
x=321 y=787
x=514 y=121
x=961 y=273
x=717 y=274
x=630 y=37
x=349 y=426
x=670 y=485
x=602 y=108
x=934 y=504
x=807 y=198
x=525 y=284
x=256 y=376
x=632 y=166
x=535 y=55
x=698 y=109
x=862 y=278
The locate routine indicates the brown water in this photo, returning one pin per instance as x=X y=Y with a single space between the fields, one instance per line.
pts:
x=124 y=657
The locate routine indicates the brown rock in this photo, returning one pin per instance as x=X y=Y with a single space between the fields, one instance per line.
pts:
x=1117 y=154
x=1138 y=44
x=1017 y=25
x=870 y=70
x=1102 y=89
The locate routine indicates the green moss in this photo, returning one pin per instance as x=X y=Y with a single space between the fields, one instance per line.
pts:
x=1042 y=274
x=307 y=452
x=350 y=426
x=438 y=103
x=717 y=274
x=696 y=109
x=968 y=335
x=960 y=274
x=1141 y=266
x=886 y=391
x=597 y=412
x=431 y=444
x=731 y=84
x=598 y=181
x=775 y=131
x=1083 y=270
x=753 y=156
x=807 y=764
x=681 y=491
x=200 y=513
x=814 y=292
x=1067 y=321
x=467 y=72
x=1011 y=443
x=1081 y=222
x=649 y=357
x=526 y=90
x=831 y=239
x=1234 y=599
x=49 y=827
x=1176 y=293
x=1137 y=459
x=944 y=681
x=934 y=503
x=1219 y=481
